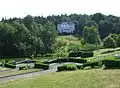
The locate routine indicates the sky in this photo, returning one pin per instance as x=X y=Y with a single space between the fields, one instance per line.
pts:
x=21 y=8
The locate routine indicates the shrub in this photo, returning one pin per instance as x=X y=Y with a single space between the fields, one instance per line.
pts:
x=71 y=67
x=112 y=64
x=68 y=67
x=41 y=65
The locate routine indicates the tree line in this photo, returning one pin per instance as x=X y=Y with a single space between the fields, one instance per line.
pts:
x=105 y=24
x=36 y=35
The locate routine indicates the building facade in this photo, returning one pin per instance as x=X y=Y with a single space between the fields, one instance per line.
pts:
x=66 y=27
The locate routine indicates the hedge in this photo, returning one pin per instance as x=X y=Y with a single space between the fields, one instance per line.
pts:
x=61 y=68
x=93 y=64
x=8 y=65
x=87 y=54
x=66 y=60
x=82 y=54
x=41 y=65
x=75 y=54
x=23 y=68
x=112 y=64
x=68 y=67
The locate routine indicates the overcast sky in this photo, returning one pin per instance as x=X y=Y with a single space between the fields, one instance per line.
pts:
x=21 y=8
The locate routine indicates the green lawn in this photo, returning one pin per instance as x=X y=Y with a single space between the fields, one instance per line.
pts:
x=99 y=52
x=69 y=39
x=95 y=78
x=99 y=56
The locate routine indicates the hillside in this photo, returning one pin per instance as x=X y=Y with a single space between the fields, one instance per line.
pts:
x=96 y=78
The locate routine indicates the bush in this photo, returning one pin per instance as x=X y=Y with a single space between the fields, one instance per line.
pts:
x=68 y=67
x=71 y=67
x=112 y=64
x=41 y=65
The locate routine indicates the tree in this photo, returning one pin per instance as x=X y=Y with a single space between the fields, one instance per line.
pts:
x=114 y=36
x=118 y=41
x=97 y=17
x=7 y=47
x=48 y=36
x=109 y=42
x=91 y=35
x=28 y=20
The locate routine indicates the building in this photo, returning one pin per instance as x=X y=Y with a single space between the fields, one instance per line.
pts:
x=66 y=27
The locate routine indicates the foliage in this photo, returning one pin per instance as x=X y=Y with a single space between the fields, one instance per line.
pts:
x=114 y=36
x=8 y=65
x=41 y=65
x=118 y=41
x=61 y=52
x=67 y=67
x=67 y=59
x=91 y=35
x=82 y=54
x=110 y=64
x=26 y=38
x=71 y=67
x=109 y=42
x=94 y=64
x=30 y=35
x=48 y=36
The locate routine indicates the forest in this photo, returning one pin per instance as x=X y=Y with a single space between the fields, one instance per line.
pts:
x=34 y=35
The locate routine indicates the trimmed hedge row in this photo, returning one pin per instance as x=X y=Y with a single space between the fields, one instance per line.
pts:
x=66 y=60
x=82 y=54
x=8 y=65
x=111 y=64
x=92 y=64
x=41 y=66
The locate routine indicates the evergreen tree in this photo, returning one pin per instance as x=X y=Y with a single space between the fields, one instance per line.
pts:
x=109 y=42
x=91 y=35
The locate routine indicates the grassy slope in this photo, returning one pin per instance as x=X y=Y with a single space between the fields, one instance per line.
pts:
x=99 y=52
x=95 y=78
x=69 y=39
